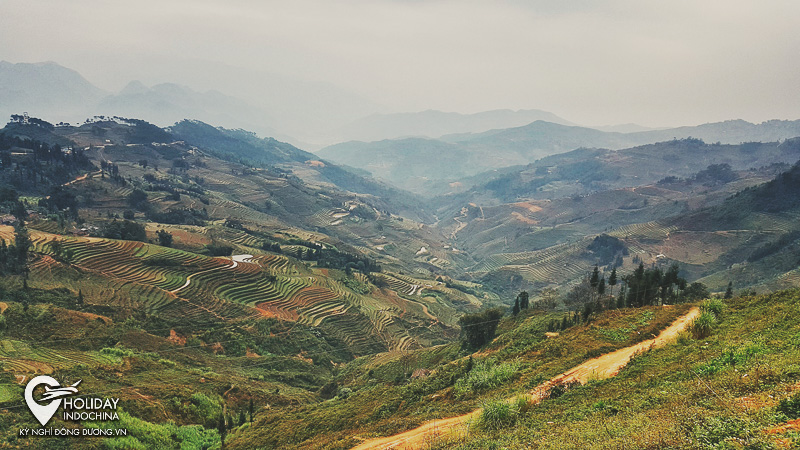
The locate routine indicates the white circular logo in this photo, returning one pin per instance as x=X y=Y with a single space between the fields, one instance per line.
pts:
x=52 y=391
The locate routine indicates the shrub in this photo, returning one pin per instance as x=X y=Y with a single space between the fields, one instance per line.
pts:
x=703 y=324
x=119 y=352
x=522 y=404
x=485 y=375
x=714 y=306
x=790 y=406
x=559 y=389
x=497 y=414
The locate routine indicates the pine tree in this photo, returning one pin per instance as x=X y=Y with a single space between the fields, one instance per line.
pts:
x=22 y=242
x=587 y=311
x=621 y=299
x=222 y=429
x=251 y=409
x=524 y=299
x=595 y=279
x=729 y=291
x=601 y=287
x=515 y=310
x=612 y=279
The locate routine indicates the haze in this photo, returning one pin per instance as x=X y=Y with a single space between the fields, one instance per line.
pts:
x=654 y=63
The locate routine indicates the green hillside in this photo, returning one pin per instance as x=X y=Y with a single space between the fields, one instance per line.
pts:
x=229 y=287
x=440 y=166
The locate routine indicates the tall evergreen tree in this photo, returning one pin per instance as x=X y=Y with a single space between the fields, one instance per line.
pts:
x=729 y=291
x=595 y=279
x=612 y=279
x=515 y=310
x=524 y=299
x=222 y=429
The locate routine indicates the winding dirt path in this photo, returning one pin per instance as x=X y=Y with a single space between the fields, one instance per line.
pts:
x=603 y=366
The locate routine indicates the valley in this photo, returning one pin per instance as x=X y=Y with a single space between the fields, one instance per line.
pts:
x=207 y=275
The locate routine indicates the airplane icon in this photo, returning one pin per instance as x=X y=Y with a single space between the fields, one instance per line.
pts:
x=53 y=393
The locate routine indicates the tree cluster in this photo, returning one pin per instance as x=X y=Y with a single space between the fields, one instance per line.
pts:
x=14 y=257
x=478 y=329
x=521 y=302
x=643 y=287
x=45 y=166
x=124 y=229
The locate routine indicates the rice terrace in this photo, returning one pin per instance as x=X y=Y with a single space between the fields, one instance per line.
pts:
x=399 y=225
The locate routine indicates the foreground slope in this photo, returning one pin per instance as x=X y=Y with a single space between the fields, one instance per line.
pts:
x=729 y=388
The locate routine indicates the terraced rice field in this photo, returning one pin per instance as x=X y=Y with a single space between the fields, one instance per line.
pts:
x=647 y=230
x=399 y=285
x=788 y=280
x=201 y=289
x=778 y=223
x=499 y=260
x=237 y=237
x=328 y=217
x=19 y=357
x=221 y=207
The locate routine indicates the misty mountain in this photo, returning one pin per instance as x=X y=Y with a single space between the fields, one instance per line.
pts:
x=434 y=124
x=246 y=146
x=293 y=110
x=728 y=132
x=430 y=166
x=45 y=89
x=168 y=103
x=626 y=128
x=584 y=171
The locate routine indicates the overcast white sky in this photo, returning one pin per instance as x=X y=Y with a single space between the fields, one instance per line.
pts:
x=655 y=63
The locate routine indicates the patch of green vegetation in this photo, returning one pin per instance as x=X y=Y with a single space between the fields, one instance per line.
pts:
x=485 y=375
x=146 y=435
x=790 y=406
x=732 y=357
x=497 y=414
x=9 y=392
x=703 y=324
x=621 y=334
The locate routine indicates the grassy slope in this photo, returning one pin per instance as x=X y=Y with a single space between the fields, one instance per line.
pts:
x=384 y=401
x=716 y=392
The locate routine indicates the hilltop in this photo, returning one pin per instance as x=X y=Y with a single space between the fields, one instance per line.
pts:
x=438 y=166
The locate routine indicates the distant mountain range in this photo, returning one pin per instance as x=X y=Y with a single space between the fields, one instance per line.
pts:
x=292 y=110
x=434 y=124
x=432 y=165
x=307 y=114
x=46 y=89
x=61 y=94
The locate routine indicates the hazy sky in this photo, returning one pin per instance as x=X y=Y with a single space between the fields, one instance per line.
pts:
x=593 y=62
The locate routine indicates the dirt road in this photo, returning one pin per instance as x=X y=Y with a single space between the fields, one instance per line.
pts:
x=603 y=366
